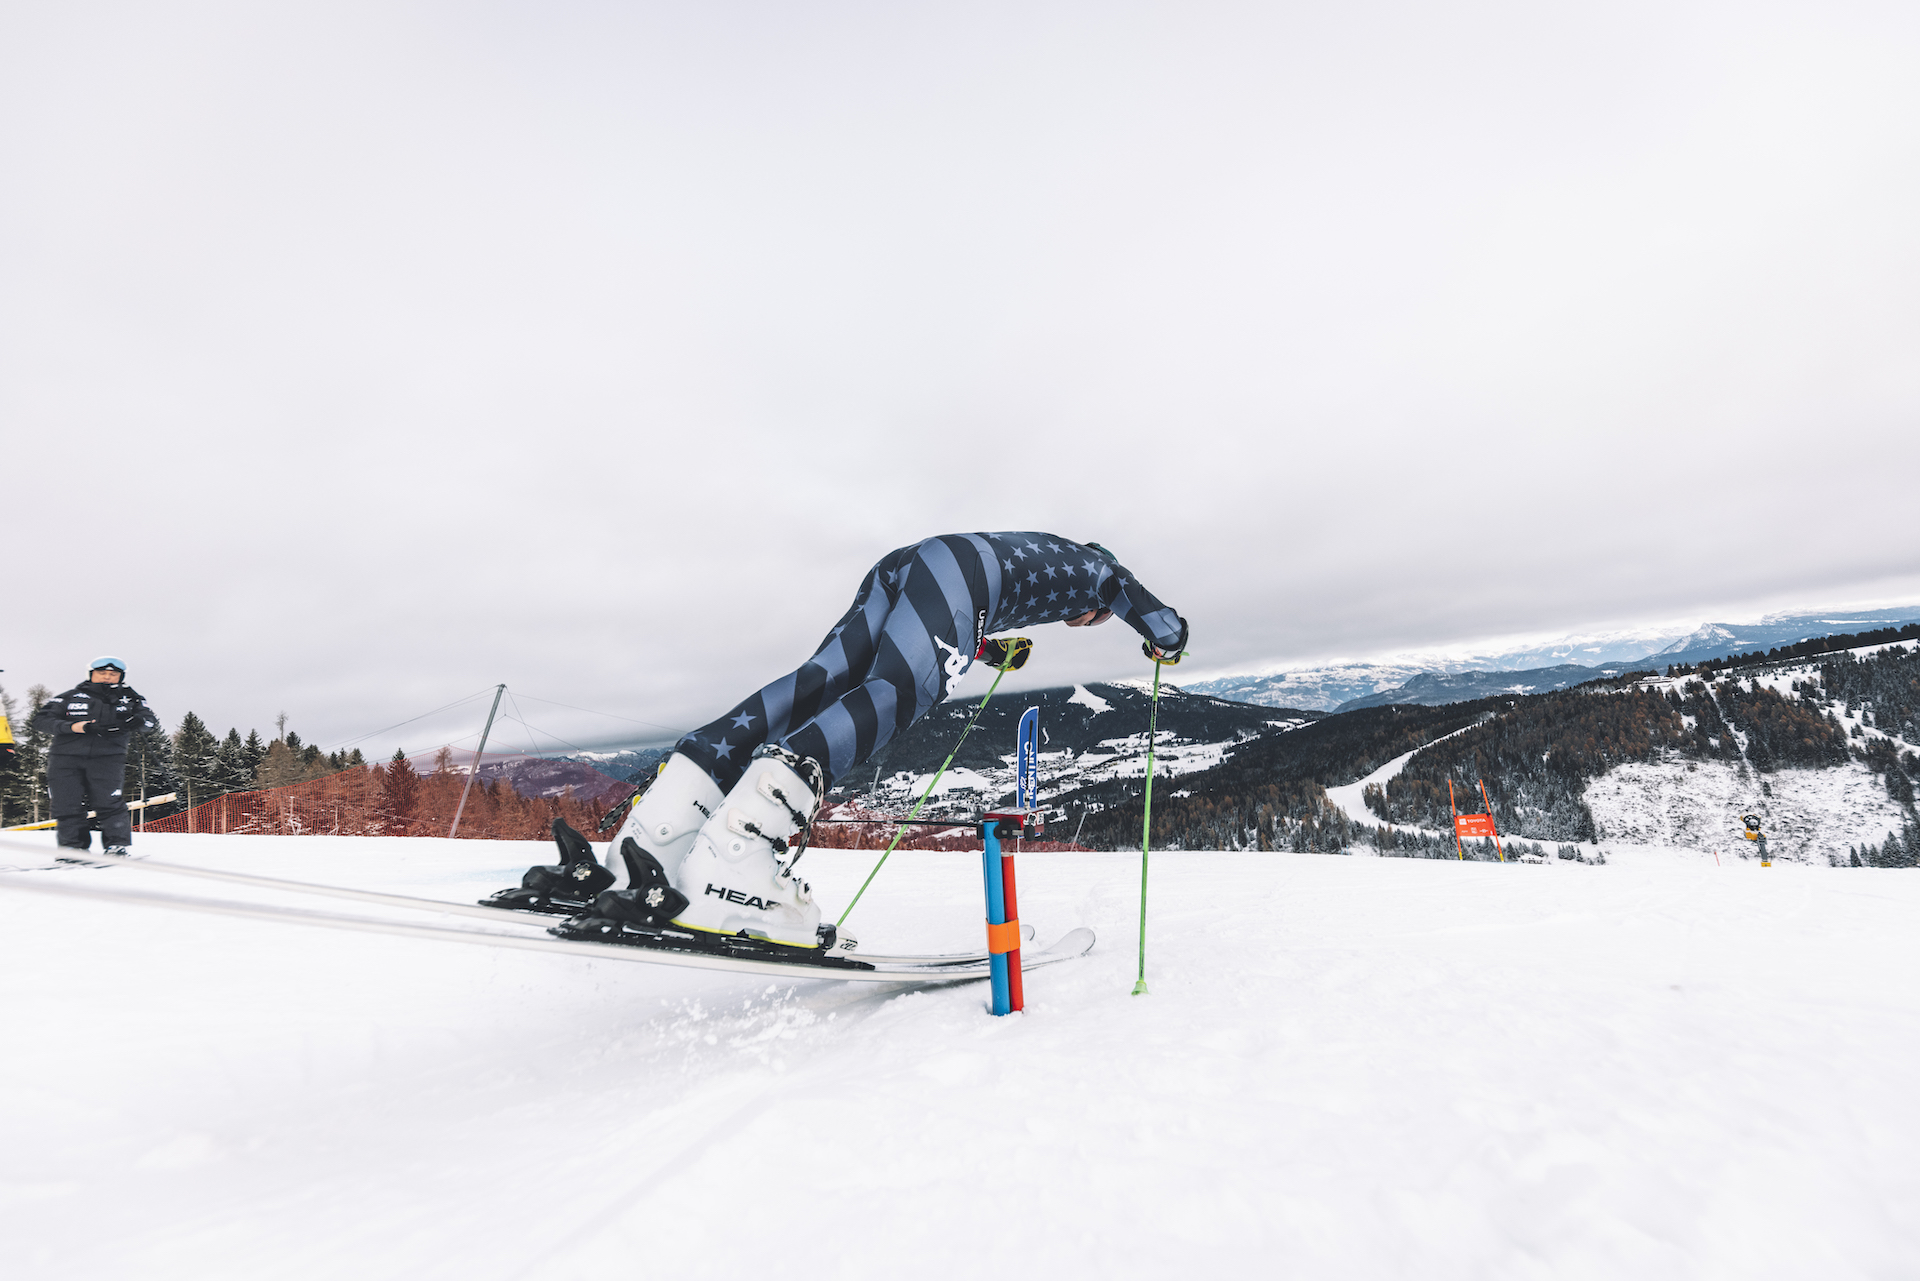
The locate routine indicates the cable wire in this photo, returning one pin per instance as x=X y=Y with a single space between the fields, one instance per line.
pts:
x=610 y=715
x=422 y=716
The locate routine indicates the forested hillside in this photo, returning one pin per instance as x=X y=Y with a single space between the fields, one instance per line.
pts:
x=1272 y=794
x=1537 y=754
x=1799 y=649
x=1540 y=753
x=1884 y=688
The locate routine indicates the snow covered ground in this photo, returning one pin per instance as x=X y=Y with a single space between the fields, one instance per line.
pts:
x=1813 y=814
x=1348 y=1067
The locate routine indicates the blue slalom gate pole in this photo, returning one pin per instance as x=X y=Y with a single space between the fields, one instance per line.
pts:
x=990 y=866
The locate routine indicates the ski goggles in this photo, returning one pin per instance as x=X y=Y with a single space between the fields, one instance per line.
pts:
x=106 y=661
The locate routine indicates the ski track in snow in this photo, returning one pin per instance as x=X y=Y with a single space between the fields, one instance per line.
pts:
x=1350 y=798
x=1347 y=1068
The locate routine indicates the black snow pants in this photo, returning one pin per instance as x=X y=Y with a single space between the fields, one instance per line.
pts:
x=82 y=783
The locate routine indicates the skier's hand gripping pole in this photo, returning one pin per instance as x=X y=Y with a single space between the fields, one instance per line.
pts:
x=1004 y=654
x=1166 y=657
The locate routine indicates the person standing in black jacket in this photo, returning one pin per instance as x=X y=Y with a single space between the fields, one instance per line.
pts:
x=92 y=726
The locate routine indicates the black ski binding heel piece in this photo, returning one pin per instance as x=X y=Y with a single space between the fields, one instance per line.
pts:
x=649 y=899
x=560 y=889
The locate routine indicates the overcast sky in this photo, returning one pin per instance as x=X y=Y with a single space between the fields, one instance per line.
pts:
x=354 y=358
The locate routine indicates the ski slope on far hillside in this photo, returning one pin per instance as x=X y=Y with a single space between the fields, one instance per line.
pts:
x=1347 y=1067
x=1350 y=799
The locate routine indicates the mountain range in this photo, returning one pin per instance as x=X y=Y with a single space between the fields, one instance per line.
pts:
x=589 y=774
x=1433 y=689
x=1093 y=739
x=1359 y=683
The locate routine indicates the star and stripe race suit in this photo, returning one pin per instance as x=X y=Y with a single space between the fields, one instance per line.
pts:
x=911 y=635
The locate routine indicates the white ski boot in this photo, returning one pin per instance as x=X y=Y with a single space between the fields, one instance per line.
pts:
x=733 y=877
x=666 y=818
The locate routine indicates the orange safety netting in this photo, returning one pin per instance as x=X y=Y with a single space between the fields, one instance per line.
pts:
x=384 y=801
x=849 y=826
x=380 y=801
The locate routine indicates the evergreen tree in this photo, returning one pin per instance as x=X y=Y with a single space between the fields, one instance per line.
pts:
x=196 y=758
x=256 y=752
x=150 y=772
x=401 y=790
x=16 y=782
x=279 y=768
x=235 y=772
x=24 y=788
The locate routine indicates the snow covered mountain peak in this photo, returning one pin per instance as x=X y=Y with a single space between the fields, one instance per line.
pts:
x=1326 y=684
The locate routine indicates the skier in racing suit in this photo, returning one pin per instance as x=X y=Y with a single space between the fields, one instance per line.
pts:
x=912 y=632
x=92 y=727
x=706 y=833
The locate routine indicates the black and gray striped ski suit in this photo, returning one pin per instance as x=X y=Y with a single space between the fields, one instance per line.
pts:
x=910 y=637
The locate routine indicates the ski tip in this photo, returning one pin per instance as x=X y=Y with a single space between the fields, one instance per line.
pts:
x=1076 y=942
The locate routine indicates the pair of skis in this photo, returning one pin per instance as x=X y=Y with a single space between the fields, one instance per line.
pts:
x=506 y=928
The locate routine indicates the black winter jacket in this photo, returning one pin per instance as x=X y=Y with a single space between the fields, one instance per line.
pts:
x=114 y=710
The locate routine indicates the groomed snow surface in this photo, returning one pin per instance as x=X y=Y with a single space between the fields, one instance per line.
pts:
x=1347 y=1067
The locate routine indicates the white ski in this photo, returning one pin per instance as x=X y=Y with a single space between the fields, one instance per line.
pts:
x=495 y=915
x=855 y=969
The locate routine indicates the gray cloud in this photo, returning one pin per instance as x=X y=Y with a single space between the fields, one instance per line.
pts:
x=353 y=358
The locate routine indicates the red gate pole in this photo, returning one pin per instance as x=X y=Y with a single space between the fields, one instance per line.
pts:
x=1016 y=998
x=1456 y=820
x=1490 y=822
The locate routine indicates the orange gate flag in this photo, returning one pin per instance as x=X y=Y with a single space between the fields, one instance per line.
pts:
x=1472 y=826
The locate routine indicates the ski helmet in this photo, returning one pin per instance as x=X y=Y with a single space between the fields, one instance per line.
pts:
x=106 y=661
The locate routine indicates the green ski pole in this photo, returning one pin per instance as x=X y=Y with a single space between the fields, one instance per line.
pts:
x=1146 y=827
x=915 y=811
